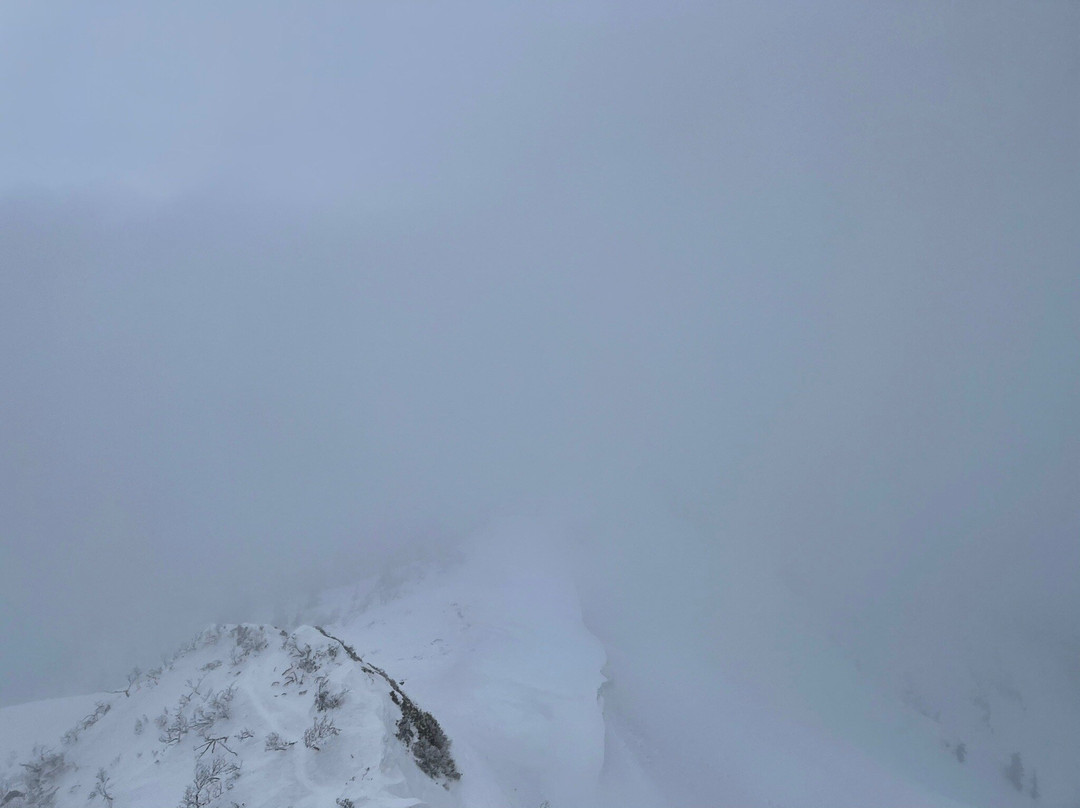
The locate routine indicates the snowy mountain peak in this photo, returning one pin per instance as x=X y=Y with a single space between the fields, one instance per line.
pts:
x=439 y=686
x=247 y=715
x=477 y=683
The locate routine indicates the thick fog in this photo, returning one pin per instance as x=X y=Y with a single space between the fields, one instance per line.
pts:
x=714 y=295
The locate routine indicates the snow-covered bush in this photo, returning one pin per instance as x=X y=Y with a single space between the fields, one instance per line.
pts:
x=8 y=791
x=275 y=743
x=319 y=731
x=173 y=727
x=249 y=640
x=304 y=660
x=209 y=636
x=324 y=699
x=72 y=735
x=1014 y=772
x=423 y=736
x=133 y=680
x=40 y=777
x=212 y=779
x=218 y=707
x=101 y=789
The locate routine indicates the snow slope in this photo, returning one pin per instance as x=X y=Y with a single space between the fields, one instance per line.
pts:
x=24 y=726
x=537 y=711
x=500 y=646
x=244 y=715
x=506 y=656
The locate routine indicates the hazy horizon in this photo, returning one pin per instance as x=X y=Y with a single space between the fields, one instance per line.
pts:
x=708 y=292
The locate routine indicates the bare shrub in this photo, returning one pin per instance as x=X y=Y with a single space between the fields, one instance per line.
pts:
x=275 y=743
x=324 y=699
x=322 y=729
x=102 y=789
x=217 y=707
x=173 y=728
x=212 y=779
x=40 y=777
x=72 y=735
x=303 y=660
x=133 y=680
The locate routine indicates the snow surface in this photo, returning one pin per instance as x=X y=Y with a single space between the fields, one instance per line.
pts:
x=24 y=726
x=227 y=697
x=537 y=710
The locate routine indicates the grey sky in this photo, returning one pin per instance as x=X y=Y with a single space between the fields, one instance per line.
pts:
x=284 y=287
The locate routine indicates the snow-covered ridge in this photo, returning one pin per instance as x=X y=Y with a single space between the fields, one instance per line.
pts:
x=383 y=692
x=245 y=715
x=438 y=685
